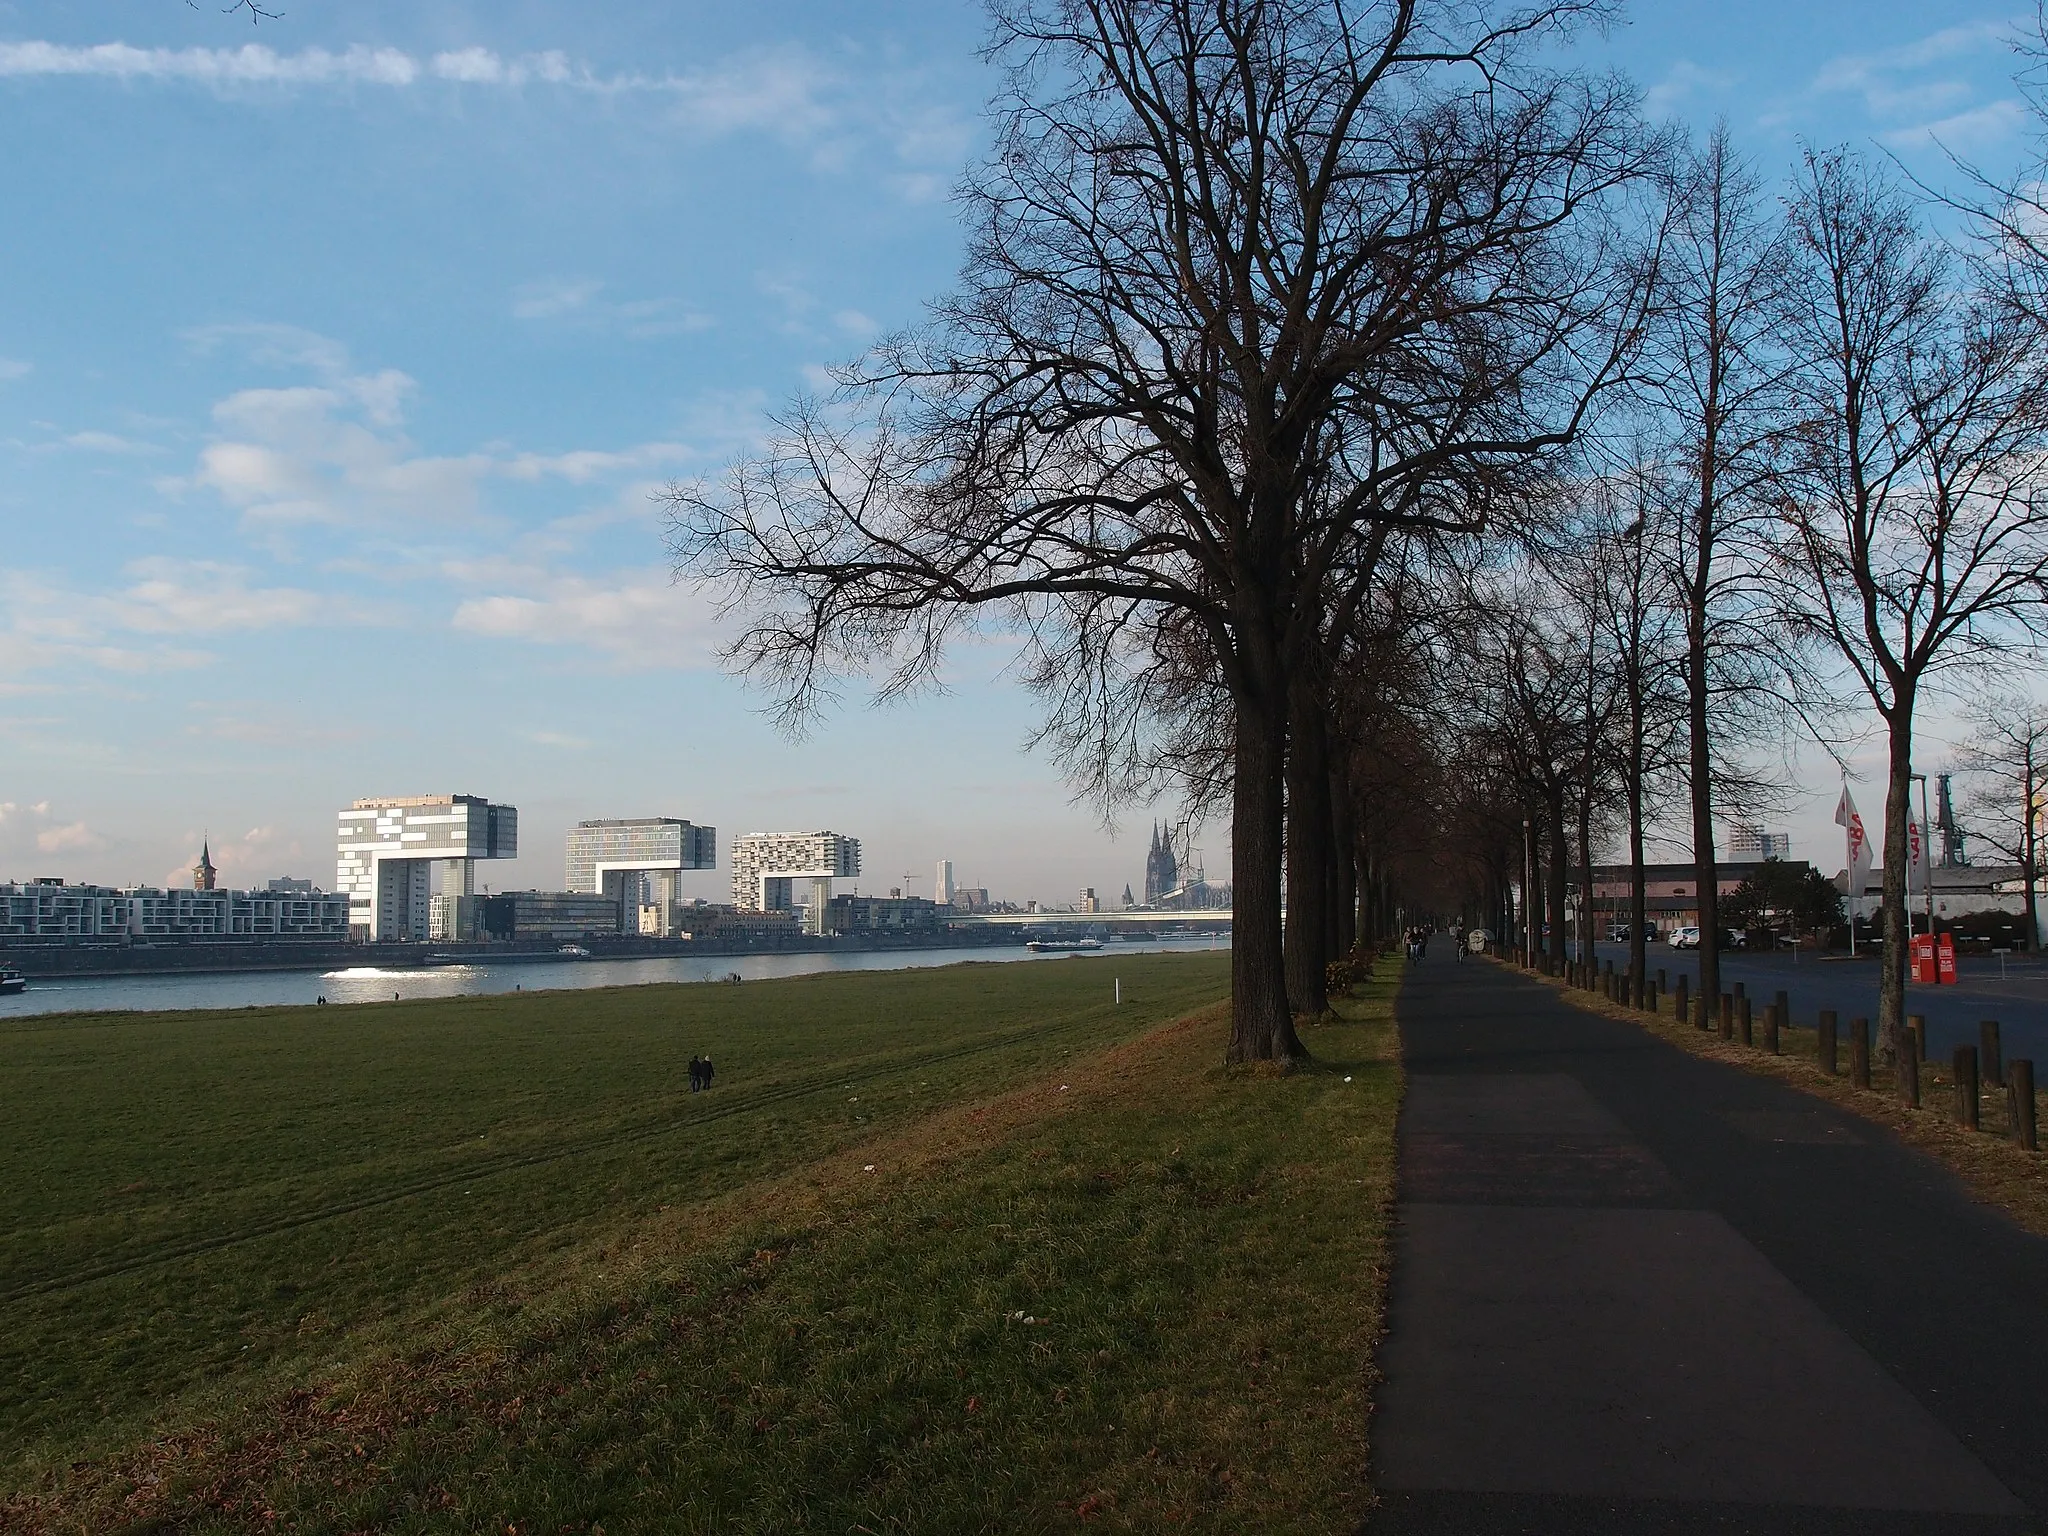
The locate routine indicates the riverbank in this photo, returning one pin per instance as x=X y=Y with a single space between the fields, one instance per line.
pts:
x=955 y=1249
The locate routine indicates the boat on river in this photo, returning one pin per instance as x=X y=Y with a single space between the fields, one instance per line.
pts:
x=12 y=981
x=1062 y=946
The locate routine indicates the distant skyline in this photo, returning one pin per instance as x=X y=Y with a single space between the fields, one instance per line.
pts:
x=341 y=357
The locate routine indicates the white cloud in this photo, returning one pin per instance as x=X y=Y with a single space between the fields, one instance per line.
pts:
x=828 y=103
x=638 y=619
x=102 y=442
x=578 y=301
x=1681 y=83
x=252 y=64
x=14 y=368
x=1885 y=79
x=73 y=835
x=1995 y=123
x=557 y=296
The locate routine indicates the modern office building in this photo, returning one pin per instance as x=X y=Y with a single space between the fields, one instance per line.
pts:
x=544 y=915
x=1747 y=843
x=880 y=914
x=639 y=864
x=765 y=864
x=386 y=849
x=50 y=909
x=942 y=885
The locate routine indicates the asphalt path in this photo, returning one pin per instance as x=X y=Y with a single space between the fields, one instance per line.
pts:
x=1635 y=1290
x=2017 y=998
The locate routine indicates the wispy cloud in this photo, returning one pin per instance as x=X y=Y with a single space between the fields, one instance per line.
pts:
x=794 y=94
x=639 y=620
x=1681 y=84
x=1917 y=81
x=1995 y=123
x=581 y=302
x=14 y=368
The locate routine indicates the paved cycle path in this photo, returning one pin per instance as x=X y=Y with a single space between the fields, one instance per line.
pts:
x=1637 y=1291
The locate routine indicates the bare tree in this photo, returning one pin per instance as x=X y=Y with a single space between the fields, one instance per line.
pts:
x=2005 y=764
x=1914 y=532
x=1716 y=380
x=1243 y=277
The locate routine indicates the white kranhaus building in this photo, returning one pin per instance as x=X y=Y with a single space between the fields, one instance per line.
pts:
x=765 y=863
x=385 y=850
x=622 y=858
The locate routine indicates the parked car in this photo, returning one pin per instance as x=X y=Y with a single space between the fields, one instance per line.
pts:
x=1685 y=938
x=1618 y=934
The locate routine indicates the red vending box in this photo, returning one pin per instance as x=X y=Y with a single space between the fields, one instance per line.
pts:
x=1945 y=957
x=1924 y=966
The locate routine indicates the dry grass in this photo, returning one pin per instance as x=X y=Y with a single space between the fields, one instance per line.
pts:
x=1996 y=1170
x=1139 y=1292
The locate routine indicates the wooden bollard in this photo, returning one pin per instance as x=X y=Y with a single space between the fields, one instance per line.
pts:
x=1727 y=1016
x=1965 y=1068
x=1916 y=1026
x=1662 y=984
x=1681 y=1004
x=1824 y=1043
x=1771 y=1024
x=1909 y=1079
x=2019 y=1089
x=1742 y=1019
x=1859 y=1053
x=1991 y=1056
x=1784 y=1002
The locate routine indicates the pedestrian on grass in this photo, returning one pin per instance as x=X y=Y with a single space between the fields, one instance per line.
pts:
x=707 y=1074
x=696 y=1075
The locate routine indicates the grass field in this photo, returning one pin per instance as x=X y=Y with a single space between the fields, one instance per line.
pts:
x=957 y=1249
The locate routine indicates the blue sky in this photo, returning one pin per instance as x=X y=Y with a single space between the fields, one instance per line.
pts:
x=340 y=356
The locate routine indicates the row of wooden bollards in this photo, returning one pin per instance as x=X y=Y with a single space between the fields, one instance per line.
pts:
x=1735 y=1017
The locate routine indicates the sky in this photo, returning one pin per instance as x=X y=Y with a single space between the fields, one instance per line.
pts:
x=344 y=354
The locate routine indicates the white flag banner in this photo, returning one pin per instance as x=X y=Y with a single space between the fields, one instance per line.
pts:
x=1916 y=857
x=1850 y=820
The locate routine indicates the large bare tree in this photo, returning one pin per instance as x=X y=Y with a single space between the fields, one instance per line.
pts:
x=1243 y=276
x=2004 y=763
x=1915 y=530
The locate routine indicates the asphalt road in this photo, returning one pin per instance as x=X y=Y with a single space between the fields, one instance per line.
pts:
x=1639 y=1291
x=2018 y=999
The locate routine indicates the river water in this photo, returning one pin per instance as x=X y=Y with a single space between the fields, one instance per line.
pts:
x=373 y=984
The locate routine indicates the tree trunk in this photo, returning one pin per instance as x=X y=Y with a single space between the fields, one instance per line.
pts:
x=1343 y=860
x=1706 y=872
x=1587 y=919
x=1560 y=874
x=1309 y=849
x=1260 y=1026
x=1638 y=897
x=1532 y=888
x=2029 y=847
x=1898 y=928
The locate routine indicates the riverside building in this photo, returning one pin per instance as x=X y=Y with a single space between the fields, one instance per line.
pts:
x=638 y=864
x=765 y=866
x=49 y=910
x=386 y=849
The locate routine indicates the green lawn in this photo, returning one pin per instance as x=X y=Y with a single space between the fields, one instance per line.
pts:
x=487 y=1264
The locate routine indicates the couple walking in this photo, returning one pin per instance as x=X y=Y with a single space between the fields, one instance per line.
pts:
x=700 y=1074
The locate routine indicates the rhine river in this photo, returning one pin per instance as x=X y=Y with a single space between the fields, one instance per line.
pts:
x=373 y=984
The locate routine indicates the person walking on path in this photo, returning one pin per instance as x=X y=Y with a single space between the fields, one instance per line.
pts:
x=696 y=1074
x=707 y=1074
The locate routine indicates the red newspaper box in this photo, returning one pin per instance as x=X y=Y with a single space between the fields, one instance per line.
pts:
x=1922 y=955
x=1945 y=957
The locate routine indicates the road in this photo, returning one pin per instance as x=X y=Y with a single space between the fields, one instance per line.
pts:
x=1639 y=1291
x=2018 y=999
